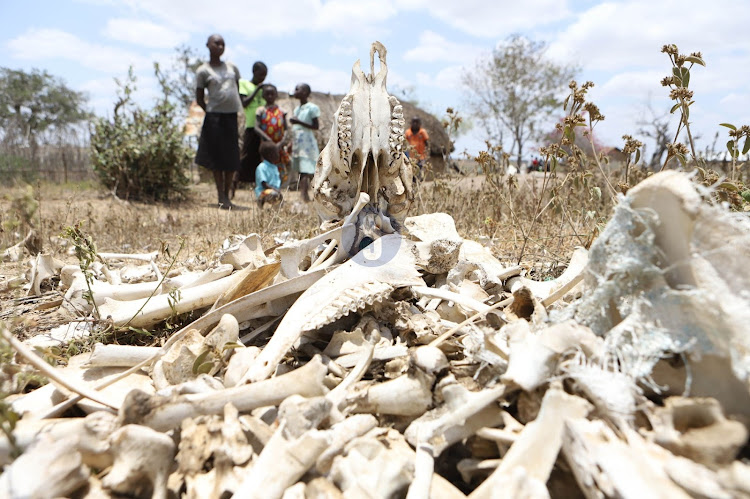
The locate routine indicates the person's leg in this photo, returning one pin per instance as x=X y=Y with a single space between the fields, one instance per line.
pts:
x=304 y=185
x=221 y=188
x=228 y=180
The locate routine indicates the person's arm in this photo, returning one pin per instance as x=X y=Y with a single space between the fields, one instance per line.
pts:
x=312 y=126
x=263 y=135
x=247 y=99
x=200 y=97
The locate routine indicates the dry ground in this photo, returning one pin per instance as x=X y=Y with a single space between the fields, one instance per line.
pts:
x=130 y=227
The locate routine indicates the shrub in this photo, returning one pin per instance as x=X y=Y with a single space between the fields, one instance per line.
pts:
x=141 y=154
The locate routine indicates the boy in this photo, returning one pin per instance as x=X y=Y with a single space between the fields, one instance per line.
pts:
x=304 y=146
x=267 y=179
x=218 y=148
x=419 y=142
x=251 y=95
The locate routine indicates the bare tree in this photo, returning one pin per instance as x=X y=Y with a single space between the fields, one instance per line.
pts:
x=655 y=126
x=514 y=89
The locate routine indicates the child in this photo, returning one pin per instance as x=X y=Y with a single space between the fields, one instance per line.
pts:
x=267 y=179
x=251 y=97
x=304 y=146
x=218 y=148
x=418 y=142
x=270 y=125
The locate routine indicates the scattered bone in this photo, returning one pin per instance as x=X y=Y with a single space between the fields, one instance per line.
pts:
x=389 y=366
x=243 y=252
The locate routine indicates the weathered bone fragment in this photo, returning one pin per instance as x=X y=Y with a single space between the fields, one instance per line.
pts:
x=291 y=451
x=42 y=267
x=163 y=414
x=697 y=429
x=50 y=468
x=539 y=443
x=147 y=312
x=534 y=356
x=542 y=289
x=605 y=466
x=292 y=255
x=144 y=257
x=142 y=459
x=667 y=258
x=476 y=263
x=370 y=468
x=352 y=286
x=113 y=355
x=462 y=414
x=365 y=150
x=342 y=433
x=243 y=251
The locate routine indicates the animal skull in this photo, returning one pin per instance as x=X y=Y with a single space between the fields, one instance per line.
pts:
x=365 y=150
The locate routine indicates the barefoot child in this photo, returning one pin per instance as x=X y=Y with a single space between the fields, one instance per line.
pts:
x=304 y=146
x=267 y=179
x=218 y=147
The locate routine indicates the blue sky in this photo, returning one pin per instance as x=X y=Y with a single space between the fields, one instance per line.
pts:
x=430 y=44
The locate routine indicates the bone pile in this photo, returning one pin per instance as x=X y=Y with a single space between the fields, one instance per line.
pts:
x=417 y=366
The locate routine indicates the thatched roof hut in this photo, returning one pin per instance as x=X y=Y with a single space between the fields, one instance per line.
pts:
x=329 y=103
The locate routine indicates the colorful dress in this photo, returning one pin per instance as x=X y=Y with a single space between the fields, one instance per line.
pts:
x=272 y=120
x=304 y=145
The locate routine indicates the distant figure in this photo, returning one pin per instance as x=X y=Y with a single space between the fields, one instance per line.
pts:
x=251 y=95
x=419 y=143
x=270 y=125
x=267 y=179
x=218 y=148
x=304 y=146
x=535 y=165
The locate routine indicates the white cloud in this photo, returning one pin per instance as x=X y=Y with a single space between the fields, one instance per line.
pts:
x=434 y=47
x=623 y=35
x=46 y=44
x=491 y=18
x=342 y=49
x=272 y=19
x=447 y=78
x=144 y=33
x=630 y=84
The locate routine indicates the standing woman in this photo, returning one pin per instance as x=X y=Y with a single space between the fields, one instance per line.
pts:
x=305 y=146
x=218 y=148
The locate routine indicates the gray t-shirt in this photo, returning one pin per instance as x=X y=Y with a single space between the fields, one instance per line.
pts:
x=221 y=83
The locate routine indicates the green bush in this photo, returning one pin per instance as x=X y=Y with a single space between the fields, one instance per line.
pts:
x=141 y=154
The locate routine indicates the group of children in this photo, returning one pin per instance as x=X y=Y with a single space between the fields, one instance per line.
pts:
x=265 y=157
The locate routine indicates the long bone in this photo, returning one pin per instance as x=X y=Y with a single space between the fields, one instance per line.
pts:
x=163 y=414
x=350 y=287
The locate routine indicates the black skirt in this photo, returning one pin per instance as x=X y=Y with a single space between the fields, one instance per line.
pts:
x=250 y=157
x=218 y=147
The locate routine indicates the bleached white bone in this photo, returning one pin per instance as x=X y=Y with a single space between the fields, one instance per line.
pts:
x=140 y=453
x=164 y=414
x=462 y=414
x=542 y=289
x=539 y=443
x=534 y=355
x=112 y=355
x=42 y=267
x=327 y=299
x=465 y=301
x=144 y=257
